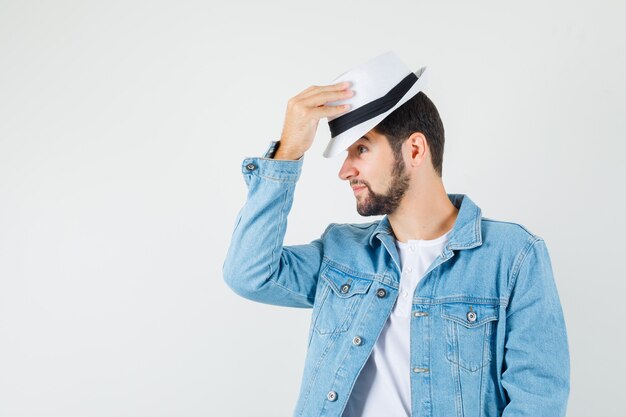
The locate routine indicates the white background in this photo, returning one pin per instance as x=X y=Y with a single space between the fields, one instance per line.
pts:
x=123 y=126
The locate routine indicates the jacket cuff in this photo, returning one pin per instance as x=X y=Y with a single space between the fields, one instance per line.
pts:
x=285 y=170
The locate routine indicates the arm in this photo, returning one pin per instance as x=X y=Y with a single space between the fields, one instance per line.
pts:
x=536 y=358
x=257 y=265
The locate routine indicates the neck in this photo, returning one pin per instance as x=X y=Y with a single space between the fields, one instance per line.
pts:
x=425 y=213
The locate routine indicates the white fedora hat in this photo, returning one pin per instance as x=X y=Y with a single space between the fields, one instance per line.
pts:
x=380 y=86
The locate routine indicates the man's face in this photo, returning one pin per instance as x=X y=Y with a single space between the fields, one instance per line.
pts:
x=378 y=178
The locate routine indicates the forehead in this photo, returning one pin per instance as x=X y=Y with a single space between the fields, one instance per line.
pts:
x=369 y=137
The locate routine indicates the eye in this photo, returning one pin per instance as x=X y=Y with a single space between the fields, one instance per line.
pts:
x=360 y=147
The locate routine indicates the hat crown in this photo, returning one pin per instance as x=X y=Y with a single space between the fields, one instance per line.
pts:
x=371 y=80
x=380 y=86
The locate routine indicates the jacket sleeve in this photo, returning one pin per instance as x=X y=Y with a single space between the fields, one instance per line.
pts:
x=536 y=359
x=257 y=265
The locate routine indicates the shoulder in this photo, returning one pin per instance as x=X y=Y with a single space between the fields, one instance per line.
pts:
x=509 y=238
x=350 y=231
x=508 y=229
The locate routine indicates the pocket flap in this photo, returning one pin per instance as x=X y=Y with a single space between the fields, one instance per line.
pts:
x=345 y=285
x=470 y=315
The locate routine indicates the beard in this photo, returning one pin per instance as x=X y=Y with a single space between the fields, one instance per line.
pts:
x=379 y=204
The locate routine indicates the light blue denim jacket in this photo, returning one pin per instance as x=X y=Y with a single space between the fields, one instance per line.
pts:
x=488 y=336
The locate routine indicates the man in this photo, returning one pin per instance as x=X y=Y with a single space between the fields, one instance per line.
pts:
x=433 y=310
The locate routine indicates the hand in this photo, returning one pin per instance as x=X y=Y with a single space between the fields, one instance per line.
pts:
x=303 y=114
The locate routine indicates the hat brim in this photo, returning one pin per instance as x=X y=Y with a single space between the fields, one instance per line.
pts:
x=343 y=141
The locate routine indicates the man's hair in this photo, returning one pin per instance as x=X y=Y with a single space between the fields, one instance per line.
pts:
x=418 y=114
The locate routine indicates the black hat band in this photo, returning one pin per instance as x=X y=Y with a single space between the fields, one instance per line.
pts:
x=373 y=108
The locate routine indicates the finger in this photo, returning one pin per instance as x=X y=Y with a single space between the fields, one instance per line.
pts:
x=327 y=111
x=321 y=98
x=307 y=90
x=314 y=89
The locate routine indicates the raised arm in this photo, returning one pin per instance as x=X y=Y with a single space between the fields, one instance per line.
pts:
x=257 y=265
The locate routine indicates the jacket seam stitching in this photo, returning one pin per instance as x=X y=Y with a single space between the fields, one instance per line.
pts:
x=288 y=180
x=518 y=266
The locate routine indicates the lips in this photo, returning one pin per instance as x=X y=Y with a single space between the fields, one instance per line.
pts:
x=357 y=189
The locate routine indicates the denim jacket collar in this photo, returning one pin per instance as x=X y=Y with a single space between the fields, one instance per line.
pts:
x=465 y=233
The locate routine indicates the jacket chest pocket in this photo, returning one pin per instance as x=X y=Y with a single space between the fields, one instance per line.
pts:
x=341 y=294
x=469 y=329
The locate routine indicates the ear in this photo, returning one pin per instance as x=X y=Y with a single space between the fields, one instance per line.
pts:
x=419 y=147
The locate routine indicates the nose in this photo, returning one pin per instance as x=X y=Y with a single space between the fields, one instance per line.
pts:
x=347 y=169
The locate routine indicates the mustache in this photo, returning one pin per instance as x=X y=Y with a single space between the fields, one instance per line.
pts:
x=353 y=183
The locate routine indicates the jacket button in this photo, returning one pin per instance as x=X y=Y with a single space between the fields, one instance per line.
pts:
x=471 y=316
x=381 y=293
x=357 y=340
x=345 y=288
x=332 y=395
x=420 y=370
x=420 y=314
x=250 y=167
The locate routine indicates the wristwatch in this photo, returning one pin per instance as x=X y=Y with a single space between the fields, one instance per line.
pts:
x=271 y=150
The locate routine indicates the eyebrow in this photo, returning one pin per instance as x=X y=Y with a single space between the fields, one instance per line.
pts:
x=366 y=138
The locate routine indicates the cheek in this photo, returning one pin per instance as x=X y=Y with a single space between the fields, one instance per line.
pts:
x=377 y=174
x=384 y=183
x=377 y=183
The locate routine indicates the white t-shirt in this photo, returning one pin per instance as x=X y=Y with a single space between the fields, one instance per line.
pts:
x=383 y=387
